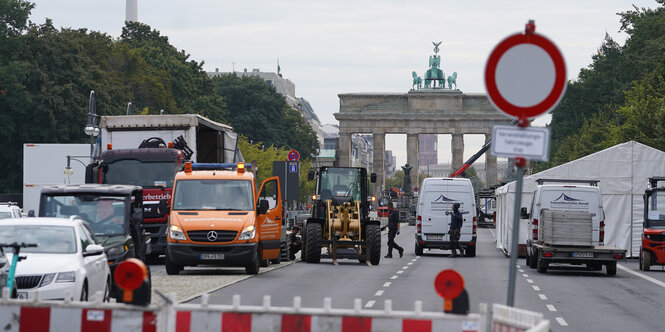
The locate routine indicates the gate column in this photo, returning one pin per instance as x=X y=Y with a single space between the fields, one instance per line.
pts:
x=458 y=151
x=490 y=165
x=412 y=158
x=344 y=149
x=379 y=162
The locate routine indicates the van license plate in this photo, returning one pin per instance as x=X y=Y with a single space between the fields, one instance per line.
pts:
x=22 y=295
x=212 y=256
x=583 y=254
x=435 y=237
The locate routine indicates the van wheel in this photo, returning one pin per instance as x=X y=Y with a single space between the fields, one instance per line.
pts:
x=542 y=266
x=419 y=250
x=313 y=244
x=611 y=268
x=171 y=268
x=528 y=258
x=645 y=260
x=470 y=251
x=254 y=264
x=533 y=259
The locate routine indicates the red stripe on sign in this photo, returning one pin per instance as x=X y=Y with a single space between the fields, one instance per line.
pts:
x=409 y=325
x=183 y=321
x=296 y=323
x=352 y=324
x=34 y=319
x=236 y=322
x=149 y=322
x=93 y=320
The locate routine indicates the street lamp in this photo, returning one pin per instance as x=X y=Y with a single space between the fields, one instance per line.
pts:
x=91 y=128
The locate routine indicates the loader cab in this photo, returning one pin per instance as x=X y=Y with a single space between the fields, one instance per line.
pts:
x=653 y=236
x=340 y=185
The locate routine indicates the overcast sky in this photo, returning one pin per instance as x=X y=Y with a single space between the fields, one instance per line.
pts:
x=337 y=46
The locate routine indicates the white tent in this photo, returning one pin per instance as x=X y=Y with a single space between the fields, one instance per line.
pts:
x=622 y=170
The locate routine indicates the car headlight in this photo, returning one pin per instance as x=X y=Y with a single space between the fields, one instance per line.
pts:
x=248 y=233
x=47 y=279
x=176 y=233
x=66 y=277
x=117 y=251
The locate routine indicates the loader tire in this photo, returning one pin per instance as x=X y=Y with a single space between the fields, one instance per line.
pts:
x=313 y=244
x=645 y=260
x=373 y=243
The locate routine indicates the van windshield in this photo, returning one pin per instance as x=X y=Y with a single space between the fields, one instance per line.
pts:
x=341 y=184
x=208 y=194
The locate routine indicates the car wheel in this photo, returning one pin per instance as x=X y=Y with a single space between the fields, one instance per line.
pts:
x=419 y=250
x=533 y=259
x=84 y=292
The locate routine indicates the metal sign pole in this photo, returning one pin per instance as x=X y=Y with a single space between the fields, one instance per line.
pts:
x=516 y=231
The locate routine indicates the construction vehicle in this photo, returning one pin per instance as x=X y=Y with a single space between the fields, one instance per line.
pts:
x=340 y=217
x=218 y=218
x=652 y=251
x=148 y=150
x=115 y=216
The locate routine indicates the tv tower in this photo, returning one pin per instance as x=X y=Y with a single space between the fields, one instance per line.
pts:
x=132 y=11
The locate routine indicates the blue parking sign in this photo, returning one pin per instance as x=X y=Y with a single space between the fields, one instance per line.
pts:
x=293 y=167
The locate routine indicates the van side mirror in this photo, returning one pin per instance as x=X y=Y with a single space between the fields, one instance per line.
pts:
x=263 y=207
x=163 y=208
x=524 y=214
x=372 y=177
x=310 y=175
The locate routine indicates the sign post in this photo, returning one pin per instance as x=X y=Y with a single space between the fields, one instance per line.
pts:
x=525 y=76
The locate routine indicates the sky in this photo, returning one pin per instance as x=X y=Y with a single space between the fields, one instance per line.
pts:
x=345 y=46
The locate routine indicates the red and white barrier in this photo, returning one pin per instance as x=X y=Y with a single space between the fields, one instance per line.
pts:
x=509 y=319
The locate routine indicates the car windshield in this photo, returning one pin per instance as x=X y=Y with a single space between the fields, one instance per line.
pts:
x=656 y=213
x=4 y=214
x=135 y=172
x=49 y=239
x=105 y=214
x=207 y=194
x=340 y=183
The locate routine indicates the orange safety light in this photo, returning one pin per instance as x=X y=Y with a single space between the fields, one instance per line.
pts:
x=241 y=167
x=129 y=275
x=109 y=146
x=188 y=167
x=170 y=145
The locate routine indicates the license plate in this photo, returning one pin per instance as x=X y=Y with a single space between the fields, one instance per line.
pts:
x=583 y=254
x=435 y=237
x=212 y=256
x=22 y=295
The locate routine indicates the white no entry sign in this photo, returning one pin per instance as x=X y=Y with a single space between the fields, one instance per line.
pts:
x=525 y=75
x=530 y=143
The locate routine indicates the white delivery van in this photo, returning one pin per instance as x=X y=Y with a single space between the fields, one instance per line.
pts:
x=563 y=195
x=433 y=214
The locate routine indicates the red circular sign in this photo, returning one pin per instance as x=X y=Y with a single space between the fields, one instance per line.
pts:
x=538 y=104
x=293 y=155
x=130 y=274
x=449 y=284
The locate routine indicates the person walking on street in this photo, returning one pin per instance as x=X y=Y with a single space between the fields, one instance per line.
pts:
x=393 y=227
x=296 y=244
x=456 y=222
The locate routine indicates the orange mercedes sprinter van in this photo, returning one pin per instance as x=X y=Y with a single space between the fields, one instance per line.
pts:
x=218 y=218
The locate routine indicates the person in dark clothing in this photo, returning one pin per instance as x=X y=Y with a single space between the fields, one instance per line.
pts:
x=393 y=228
x=456 y=222
x=296 y=243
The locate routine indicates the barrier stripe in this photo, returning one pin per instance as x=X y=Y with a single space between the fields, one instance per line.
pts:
x=38 y=319
x=352 y=324
x=236 y=322
x=206 y=321
x=65 y=319
x=296 y=323
x=149 y=321
x=183 y=321
x=416 y=325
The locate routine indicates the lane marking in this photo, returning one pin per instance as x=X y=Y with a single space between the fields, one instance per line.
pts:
x=387 y=284
x=521 y=271
x=529 y=281
x=561 y=321
x=413 y=260
x=551 y=307
x=393 y=277
x=378 y=293
x=536 y=288
x=517 y=266
x=542 y=297
x=643 y=276
x=399 y=272
x=404 y=268
x=410 y=263
x=370 y=304
x=493 y=235
x=525 y=275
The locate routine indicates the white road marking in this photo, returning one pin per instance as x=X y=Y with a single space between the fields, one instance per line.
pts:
x=521 y=271
x=525 y=275
x=404 y=268
x=561 y=321
x=493 y=235
x=410 y=263
x=517 y=266
x=413 y=260
x=399 y=272
x=387 y=284
x=536 y=288
x=393 y=277
x=369 y=304
x=643 y=276
x=542 y=297
x=529 y=281
x=551 y=307
x=378 y=293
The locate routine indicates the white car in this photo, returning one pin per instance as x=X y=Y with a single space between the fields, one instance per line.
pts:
x=66 y=263
x=9 y=210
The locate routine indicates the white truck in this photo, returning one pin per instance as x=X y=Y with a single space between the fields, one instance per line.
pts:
x=46 y=165
x=567 y=225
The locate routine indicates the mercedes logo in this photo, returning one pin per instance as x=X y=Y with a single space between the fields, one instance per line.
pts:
x=212 y=236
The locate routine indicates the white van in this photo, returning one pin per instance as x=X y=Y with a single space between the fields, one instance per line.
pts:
x=564 y=195
x=433 y=214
